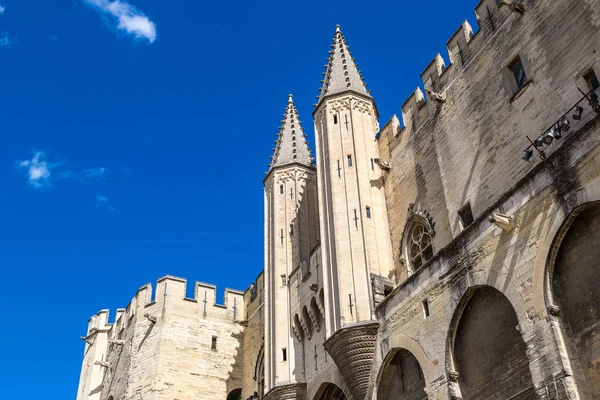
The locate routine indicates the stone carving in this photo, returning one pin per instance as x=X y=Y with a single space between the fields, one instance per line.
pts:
x=437 y=97
x=294 y=391
x=314 y=320
x=352 y=349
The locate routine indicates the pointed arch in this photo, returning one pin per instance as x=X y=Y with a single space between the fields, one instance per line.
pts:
x=487 y=357
x=573 y=295
x=416 y=245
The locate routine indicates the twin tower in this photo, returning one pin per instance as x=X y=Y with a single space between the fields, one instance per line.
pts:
x=326 y=226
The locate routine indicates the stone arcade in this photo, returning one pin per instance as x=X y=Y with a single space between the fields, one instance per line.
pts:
x=425 y=259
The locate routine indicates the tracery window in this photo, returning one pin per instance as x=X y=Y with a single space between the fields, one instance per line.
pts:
x=417 y=241
x=420 y=246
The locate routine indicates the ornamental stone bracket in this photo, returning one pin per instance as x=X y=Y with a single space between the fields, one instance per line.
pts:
x=352 y=348
x=314 y=320
x=287 y=391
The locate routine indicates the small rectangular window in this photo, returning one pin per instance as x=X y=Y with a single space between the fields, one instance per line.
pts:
x=339 y=169
x=591 y=79
x=349 y=160
x=368 y=212
x=213 y=345
x=425 y=308
x=280 y=189
x=291 y=229
x=283 y=280
x=516 y=67
x=466 y=215
x=284 y=354
x=372 y=164
x=335 y=119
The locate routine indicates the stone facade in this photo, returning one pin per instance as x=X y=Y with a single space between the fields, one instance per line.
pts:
x=422 y=259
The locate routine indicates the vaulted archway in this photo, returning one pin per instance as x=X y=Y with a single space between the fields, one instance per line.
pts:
x=489 y=353
x=576 y=293
x=330 y=391
x=402 y=378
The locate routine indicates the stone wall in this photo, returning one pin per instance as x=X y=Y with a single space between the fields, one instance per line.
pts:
x=169 y=346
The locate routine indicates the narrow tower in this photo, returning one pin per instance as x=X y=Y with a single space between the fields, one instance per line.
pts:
x=355 y=238
x=291 y=232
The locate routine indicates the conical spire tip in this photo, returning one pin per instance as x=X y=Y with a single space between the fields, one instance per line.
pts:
x=290 y=98
x=337 y=28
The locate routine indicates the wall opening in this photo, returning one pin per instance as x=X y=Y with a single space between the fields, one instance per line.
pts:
x=402 y=378
x=329 y=391
x=490 y=355
x=577 y=294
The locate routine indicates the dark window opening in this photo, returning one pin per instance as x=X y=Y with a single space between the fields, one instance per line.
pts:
x=339 y=169
x=369 y=212
x=387 y=290
x=284 y=354
x=425 y=308
x=373 y=164
x=349 y=160
x=213 y=345
x=591 y=79
x=516 y=67
x=281 y=237
x=466 y=215
x=335 y=119
x=280 y=189
x=291 y=229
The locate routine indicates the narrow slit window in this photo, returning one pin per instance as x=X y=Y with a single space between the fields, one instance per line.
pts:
x=284 y=354
x=316 y=361
x=466 y=215
x=291 y=229
x=368 y=210
x=280 y=189
x=283 y=280
x=349 y=160
x=425 y=308
x=373 y=164
x=281 y=237
x=591 y=79
x=355 y=219
x=518 y=72
x=213 y=344
x=339 y=169
x=335 y=119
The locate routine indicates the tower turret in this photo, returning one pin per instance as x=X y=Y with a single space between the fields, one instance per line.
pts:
x=291 y=232
x=354 y=227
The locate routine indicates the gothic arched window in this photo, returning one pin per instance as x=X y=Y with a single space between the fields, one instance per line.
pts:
x=417 y=241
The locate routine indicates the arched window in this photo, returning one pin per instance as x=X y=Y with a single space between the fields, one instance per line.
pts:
x=259 y=374
x=417 y=240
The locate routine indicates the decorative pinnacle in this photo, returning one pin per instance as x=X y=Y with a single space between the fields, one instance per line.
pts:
x=289 y=150
x=341 y=72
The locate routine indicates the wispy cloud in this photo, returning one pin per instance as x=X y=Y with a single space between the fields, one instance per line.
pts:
x=94 y=173
x=127 y=17
x=6 y=41
x=2 y=9
x=39 y=171
x=102 y=203
x=43 y=173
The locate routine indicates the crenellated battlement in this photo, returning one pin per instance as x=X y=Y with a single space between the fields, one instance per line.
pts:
x=171 y=291
x=463 y=48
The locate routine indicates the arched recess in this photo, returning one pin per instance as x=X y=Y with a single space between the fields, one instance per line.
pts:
x=488 y=356
x=259 y=373
x=235 y=394
x=330 y=391
x=314 y=309
x=574 y=295
x=401 y=377
x=417 y=239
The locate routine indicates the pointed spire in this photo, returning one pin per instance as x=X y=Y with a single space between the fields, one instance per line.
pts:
x=291 y=145
x=341 y=72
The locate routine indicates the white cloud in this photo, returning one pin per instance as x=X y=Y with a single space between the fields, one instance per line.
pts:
x=39 y=171
x=2 y=9
x=93 y=173
x=6 y=41
x=128 y=18
x=102 y=203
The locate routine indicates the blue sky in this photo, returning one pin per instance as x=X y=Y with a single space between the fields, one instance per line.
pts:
x=134 y=140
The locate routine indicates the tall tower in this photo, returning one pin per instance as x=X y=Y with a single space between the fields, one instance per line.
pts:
x=355 y=240
x=291 y=232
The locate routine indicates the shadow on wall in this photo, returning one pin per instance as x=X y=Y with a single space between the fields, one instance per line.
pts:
x=235 y=379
